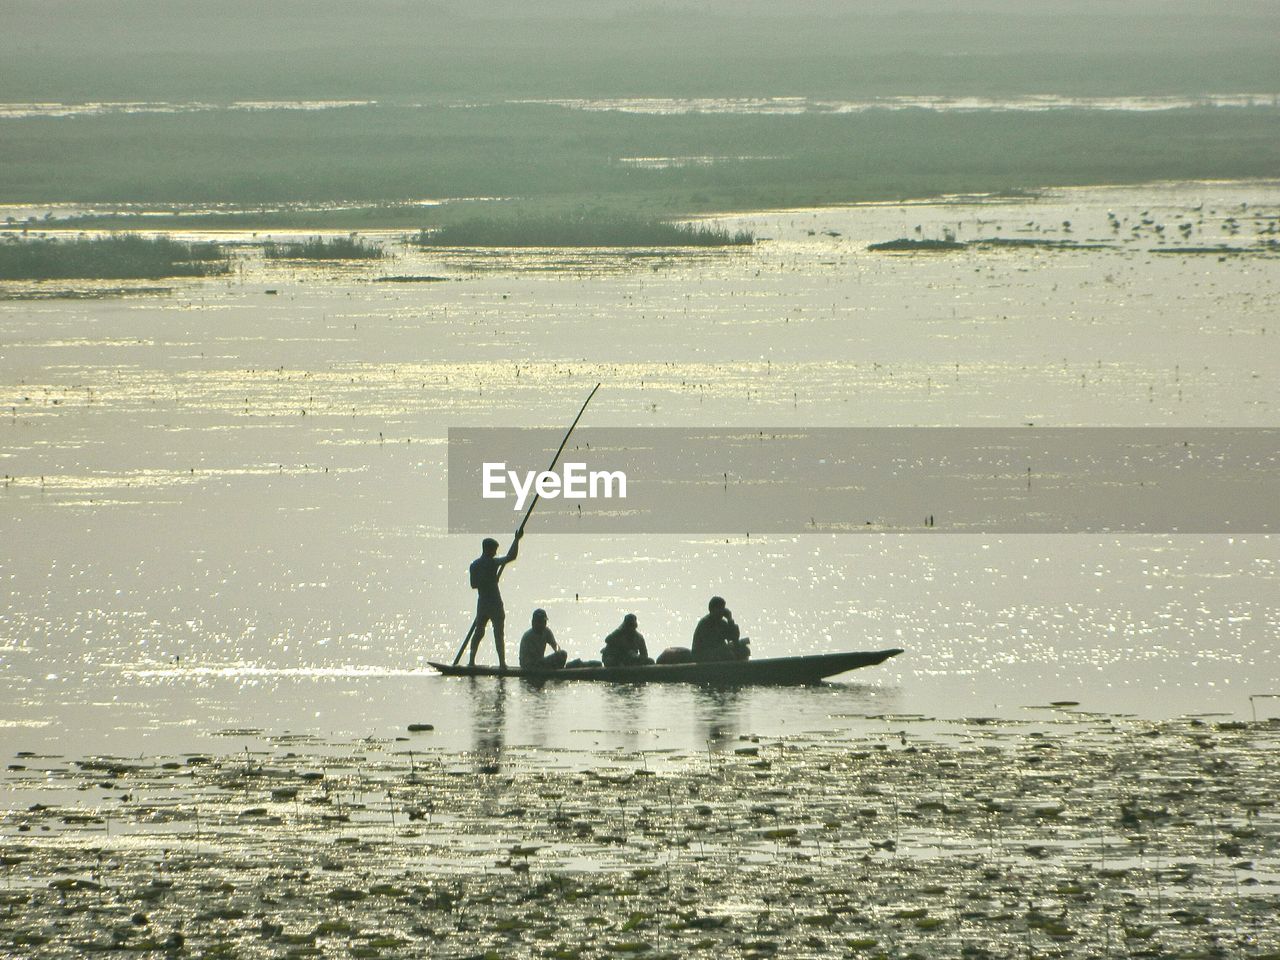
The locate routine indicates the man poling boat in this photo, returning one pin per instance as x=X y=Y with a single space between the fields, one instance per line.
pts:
x=718 y=654
x=485 y=571
x=489 y=600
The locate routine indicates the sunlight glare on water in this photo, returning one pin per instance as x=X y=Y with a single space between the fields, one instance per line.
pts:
x=225 y=509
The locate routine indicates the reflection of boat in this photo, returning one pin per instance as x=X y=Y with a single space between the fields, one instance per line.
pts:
x=773 y=670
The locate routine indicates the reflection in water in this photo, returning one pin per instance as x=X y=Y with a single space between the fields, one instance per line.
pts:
x=579 y=723
x=608 y=717
x=718 y=714
x=623 y=706
x=489 y=715
x=536 y=703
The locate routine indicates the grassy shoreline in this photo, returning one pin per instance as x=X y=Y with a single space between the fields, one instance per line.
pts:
x=118 y=257
x=579 y=230
x=323 y=248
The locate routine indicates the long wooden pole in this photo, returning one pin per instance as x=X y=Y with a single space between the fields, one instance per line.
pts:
x=527 y=514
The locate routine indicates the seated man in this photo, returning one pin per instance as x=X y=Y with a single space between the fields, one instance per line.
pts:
x=534 y=643
x=717 y=637
x=625 y=647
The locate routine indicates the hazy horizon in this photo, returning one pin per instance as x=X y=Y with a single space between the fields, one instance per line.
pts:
x=145 y=49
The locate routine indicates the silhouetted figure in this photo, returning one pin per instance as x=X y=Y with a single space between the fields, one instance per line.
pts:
x=534 y=643
x=625 y=647
x=716 y=636
x=489 y=609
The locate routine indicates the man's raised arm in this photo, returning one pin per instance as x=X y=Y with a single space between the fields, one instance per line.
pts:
x=515 y=549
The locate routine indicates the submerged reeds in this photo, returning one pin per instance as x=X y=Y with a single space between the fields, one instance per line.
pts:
x=579 y=230
x=323 y=248
x=125 y=256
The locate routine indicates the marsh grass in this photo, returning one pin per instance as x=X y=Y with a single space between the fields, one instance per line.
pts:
x=579 y=230
x=116 y=257
x=1029 y=242
x=322 y=248
x=905 y=244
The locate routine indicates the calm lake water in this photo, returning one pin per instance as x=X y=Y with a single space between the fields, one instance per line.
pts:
x=223 y=504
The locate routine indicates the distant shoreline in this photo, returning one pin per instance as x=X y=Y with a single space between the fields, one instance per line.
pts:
x=367 y=168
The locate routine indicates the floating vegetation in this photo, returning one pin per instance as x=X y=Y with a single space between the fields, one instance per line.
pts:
x=323 y=248
x=101 y=293
x=1221 y=250
x=908 y=245
x=125 y=256
x=1034 y=242
x=579 y=230
x=426 y=278
x=1090 y=836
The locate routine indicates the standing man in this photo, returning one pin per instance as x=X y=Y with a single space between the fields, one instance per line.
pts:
x=484 y=580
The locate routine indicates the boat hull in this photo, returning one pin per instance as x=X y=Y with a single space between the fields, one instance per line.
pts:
x=778 y=671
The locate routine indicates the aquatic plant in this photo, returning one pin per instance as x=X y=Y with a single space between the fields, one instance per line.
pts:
x=906 y=243
x=1079 y=835
x=124 y=256
x=323 y=248
x=1034 y=242
x=579 y=230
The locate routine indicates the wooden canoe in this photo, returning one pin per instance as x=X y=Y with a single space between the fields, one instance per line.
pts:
x=772 y=670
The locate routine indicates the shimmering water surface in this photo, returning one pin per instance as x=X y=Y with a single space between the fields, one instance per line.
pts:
x=677 y=105
x=223 y=501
